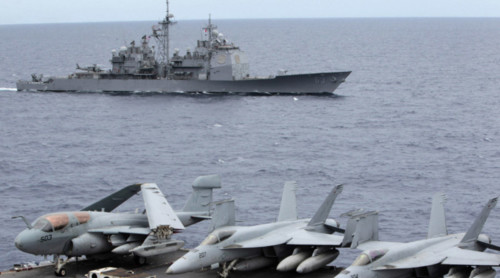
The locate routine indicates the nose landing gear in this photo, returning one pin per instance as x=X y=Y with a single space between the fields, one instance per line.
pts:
x=59 y=268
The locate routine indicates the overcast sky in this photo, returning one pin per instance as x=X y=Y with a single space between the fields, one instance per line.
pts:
x=52 y=11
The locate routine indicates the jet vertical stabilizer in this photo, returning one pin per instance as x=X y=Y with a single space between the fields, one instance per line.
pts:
x=437 y=222
x=323 y=211
x=224 y=214
x=361 y=227
x=288 y=207
x=471 y=236
x=201 y=198
x=112 y=201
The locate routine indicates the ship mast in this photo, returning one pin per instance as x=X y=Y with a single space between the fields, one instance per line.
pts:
x=161 y=35
x=166 y=23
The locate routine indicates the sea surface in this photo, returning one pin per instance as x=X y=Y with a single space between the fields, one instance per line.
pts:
x=419 y=114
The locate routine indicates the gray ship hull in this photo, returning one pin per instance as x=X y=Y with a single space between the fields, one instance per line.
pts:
x=314 y=83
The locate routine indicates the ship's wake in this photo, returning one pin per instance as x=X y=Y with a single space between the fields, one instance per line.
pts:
x=8 y=89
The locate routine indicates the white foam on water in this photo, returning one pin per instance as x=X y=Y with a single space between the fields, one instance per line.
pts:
x=8 y=89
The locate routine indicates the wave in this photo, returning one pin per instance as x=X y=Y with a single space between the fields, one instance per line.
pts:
x=8 y=89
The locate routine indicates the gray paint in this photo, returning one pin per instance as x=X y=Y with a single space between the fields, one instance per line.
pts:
x=215 y=66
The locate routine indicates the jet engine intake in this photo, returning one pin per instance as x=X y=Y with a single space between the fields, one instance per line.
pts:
x=458 y=272
x=88 y=244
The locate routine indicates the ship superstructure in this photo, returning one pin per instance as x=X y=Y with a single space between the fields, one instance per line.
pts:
x=215 y=66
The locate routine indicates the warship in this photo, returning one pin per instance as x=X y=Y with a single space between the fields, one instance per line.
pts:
x=215 y=66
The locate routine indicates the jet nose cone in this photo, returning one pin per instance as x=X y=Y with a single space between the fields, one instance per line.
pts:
x=170 y=270
x=182 y=265
x=177 y=267
x=19 y=241
x=346 y=273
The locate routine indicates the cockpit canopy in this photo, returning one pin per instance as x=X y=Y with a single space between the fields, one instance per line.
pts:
x=217 y=236
x=58 y=221
x=368 y=257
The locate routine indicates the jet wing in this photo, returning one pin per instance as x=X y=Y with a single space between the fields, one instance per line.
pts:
x=419 y=260
x=453 y=256
x=201 y=217
x=110 y=202
x=299 y=237
x=266 y=240
x=375 y=244
x=121 y=230
x=159 y=212
x=459 y=256
x=304 y=237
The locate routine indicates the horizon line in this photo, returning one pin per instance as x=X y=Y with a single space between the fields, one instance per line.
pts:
x=263 y=18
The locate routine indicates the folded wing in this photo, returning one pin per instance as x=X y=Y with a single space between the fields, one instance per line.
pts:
x=158 y=210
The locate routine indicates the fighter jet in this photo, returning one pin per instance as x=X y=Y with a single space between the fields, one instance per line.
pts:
x=95 y=230
x=303 y=245
x=454 y=255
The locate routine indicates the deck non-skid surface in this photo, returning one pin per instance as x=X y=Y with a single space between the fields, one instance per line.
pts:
x=157 y=266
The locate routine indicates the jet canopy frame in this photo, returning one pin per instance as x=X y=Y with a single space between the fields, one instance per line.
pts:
x=370 y=256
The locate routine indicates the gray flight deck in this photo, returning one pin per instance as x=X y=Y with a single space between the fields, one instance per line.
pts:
x=158 y=265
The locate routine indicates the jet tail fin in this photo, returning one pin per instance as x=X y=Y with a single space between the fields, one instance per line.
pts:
x=361 y=227
x=324 y=210
x=288 y=207
x=477 y=226
x=437 y=222
x=224 y=214
x=201 y=197
x=112 y=201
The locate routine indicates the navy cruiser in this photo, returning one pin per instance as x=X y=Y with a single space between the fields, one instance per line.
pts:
x=215 y=66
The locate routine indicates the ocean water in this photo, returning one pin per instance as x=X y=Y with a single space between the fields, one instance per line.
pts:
x=419 y=114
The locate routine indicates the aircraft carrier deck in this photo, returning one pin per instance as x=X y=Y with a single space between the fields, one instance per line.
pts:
x=157 y=266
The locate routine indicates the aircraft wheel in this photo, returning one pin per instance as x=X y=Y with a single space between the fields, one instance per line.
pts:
x=140 y=260
x=61 y=273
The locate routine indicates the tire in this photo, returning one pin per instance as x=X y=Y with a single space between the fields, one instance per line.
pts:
x=140 y=260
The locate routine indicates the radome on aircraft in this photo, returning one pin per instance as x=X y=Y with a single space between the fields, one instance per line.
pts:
x=95 y=230
x=301 y=245
x=440 y=255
